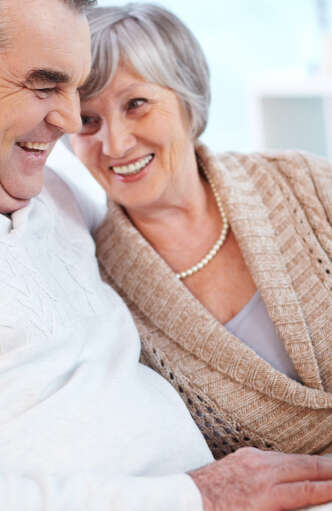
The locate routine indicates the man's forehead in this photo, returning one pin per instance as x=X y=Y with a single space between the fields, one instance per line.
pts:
x=50 y=45
x=38 y=18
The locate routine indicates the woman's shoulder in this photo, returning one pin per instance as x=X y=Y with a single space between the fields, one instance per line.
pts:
x=304 y=172
x=290 y=163
x=304 y=176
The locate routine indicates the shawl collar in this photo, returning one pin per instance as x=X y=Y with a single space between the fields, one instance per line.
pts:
x=145 y=278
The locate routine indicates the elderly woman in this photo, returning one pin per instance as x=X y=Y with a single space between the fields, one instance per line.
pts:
x=225 y=262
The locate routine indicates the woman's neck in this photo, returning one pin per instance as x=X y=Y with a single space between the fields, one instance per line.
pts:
x=180 y=223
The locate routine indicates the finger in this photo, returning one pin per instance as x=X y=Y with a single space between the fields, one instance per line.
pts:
x=298 y=467
x=303 y=494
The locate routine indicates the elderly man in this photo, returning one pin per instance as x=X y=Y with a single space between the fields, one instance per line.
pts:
x=82 y=424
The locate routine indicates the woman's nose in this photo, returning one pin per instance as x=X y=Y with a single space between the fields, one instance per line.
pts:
x=118 y=138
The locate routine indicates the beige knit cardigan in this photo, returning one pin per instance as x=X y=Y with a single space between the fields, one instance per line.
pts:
x=280 y=210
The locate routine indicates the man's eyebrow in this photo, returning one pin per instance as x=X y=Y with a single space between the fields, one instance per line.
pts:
x=47 y=76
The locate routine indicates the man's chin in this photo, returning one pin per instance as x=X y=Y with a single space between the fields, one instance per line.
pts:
x=10 y=204
x=17 y=193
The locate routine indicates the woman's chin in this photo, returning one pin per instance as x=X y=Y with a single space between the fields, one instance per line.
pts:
x=132 y=201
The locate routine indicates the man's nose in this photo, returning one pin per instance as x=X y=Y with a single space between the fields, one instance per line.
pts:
x=66 y=115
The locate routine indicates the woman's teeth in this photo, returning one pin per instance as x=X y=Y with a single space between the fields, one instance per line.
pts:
x=39 y=146
x=133 y=168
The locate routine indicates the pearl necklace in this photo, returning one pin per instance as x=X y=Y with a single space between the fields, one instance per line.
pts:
x=223 y=235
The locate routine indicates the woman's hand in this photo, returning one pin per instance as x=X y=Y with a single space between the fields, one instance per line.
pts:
x=254 y=480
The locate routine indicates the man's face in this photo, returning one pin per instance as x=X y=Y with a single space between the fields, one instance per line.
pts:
x=46 y=60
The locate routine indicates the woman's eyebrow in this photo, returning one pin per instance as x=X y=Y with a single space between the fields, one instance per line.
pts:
x=47 y=76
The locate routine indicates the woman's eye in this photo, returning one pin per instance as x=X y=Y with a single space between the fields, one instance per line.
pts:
x=136 y=103
x=90 y=124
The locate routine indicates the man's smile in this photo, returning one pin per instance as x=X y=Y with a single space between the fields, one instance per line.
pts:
x=35 y=146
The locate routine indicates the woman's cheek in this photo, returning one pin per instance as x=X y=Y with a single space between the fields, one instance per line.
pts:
x=103 y=179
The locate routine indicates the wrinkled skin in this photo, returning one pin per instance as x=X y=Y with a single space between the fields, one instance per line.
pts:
x=41 y=68
x=253 y=480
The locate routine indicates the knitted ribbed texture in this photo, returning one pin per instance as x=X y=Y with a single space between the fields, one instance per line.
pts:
x=280 y=210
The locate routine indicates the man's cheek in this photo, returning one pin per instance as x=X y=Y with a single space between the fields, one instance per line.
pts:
x=6 y=145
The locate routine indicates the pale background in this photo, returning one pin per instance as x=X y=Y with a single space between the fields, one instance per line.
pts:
x=242 y=38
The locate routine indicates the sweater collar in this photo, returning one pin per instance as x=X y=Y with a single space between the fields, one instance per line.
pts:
x=251 y=196
x=146 y=279
x=16 y=220
x=5 y=225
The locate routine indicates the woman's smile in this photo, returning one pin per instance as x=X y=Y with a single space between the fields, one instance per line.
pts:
x=134 y=170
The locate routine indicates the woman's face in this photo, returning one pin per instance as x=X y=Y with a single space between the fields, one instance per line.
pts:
x=135 y=140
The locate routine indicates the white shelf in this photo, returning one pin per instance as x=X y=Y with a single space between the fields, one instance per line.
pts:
x=291 y=110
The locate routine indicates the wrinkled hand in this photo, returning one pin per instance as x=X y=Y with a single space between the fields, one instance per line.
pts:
x=254 y=480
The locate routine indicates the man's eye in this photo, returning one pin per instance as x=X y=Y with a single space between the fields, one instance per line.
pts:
x=136 y=103
x=44 y=92
x=90 y=124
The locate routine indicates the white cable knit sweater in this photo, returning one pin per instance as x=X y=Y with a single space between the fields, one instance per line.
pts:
x=83 y=425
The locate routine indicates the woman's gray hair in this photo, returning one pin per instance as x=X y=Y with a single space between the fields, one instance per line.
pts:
x=155 y=44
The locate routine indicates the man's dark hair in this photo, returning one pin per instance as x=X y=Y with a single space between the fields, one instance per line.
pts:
x=79 y=5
